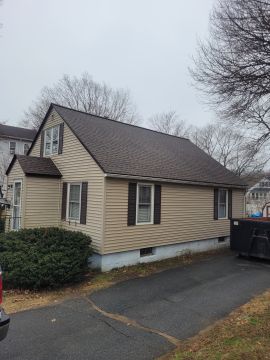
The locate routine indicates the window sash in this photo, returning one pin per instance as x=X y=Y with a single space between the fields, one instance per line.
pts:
x=145 y=204
x=51 y=141
x=12 y=147
x=223 y=204
x=25 y=148
x=74 y=202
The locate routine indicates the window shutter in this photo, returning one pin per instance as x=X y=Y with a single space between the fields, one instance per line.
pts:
x=215 y=204
x=64 y=201
x=229 y=203
x=157 y=204
x=132 y=190
x=84 y=193
x=61 y=137
x=41 y=143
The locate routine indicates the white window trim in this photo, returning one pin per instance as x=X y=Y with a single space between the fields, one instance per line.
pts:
x=152 y=204
x=20 y=218
x=44 y=147
x=227 y=205
x=68 y=193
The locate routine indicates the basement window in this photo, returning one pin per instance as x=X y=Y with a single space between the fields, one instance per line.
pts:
x=221 y=239
x=146 y=252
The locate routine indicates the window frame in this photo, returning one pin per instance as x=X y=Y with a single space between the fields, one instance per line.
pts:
x=51 y=142
x=12 y=153
x=80 y=201
x=227 y=204
x=17 y=181
x=28 y=146
x=152 y=204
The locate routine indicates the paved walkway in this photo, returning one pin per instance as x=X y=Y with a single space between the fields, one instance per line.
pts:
x=137 y=319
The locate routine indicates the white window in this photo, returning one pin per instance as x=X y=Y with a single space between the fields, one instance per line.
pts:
x=16 y=212
x=222 y=204
x=51 y=140
x=25 y=148
x=74 y=202
x=12 y=147
x=145 y=201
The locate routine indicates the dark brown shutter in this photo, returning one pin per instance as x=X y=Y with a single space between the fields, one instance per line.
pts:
x=84 y=193
x=64 y=201
x=61 y=137
x=215 y=204
x=132 y=190
x=41 y=143
x=157 y=204
x=229 y=203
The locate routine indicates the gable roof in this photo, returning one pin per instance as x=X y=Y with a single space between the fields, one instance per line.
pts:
x=15 y=132
x=131 y=151
x=36 y=166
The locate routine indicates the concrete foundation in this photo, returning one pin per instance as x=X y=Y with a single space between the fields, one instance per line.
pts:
x=126 y=258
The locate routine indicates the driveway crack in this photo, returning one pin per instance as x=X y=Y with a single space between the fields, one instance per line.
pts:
x=130 y=322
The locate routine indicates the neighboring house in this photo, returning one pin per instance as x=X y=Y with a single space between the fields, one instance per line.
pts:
x=141 y=195
x=13 y=140
x=258 y=198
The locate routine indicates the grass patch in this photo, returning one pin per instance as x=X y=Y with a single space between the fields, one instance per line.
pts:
x=244 y=334
x=15 y=300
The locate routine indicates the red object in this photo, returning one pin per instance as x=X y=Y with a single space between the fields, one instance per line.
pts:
x=1 y=287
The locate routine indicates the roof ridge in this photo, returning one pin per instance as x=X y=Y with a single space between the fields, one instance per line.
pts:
x=120 y=122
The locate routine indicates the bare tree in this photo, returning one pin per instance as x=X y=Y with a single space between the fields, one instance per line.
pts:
x=83 y=93
x=233 y=67
x=232 y=147
x=169 y=123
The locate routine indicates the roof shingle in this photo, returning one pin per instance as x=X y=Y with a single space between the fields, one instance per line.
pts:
x=130 y=150
x=15 y=132
x=36 y=166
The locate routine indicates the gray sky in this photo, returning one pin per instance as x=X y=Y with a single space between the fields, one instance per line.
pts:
x=143 y=45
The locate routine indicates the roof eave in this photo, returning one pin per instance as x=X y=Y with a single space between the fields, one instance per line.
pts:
x=175 y=181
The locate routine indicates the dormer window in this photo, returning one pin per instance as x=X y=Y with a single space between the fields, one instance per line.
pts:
x=51 y=142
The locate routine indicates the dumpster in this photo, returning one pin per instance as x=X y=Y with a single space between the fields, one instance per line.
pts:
x=251 y=237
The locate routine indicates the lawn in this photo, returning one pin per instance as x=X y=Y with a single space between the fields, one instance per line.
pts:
x=244 y=334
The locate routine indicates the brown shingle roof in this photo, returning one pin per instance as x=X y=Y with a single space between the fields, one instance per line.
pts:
x=36 y=166
x=15 y=132
x=130 y=150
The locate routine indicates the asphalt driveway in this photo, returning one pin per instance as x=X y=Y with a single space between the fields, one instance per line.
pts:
x=178 y=302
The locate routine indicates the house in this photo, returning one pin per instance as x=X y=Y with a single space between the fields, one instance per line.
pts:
x=13 y=140
x=141 y=195
x=258 y=198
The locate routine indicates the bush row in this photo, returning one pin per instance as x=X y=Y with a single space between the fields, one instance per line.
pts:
x=43 y=257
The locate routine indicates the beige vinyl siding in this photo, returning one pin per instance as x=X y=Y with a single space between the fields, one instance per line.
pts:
x=186 y=215
x=16 y=173
x=42 y=201
x=238 y=202
x=77 y=165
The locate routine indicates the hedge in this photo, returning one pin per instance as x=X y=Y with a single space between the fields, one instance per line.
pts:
x=43 y=257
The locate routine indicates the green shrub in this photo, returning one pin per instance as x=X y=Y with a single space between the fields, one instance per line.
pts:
x=43 y=257
x=2 y=225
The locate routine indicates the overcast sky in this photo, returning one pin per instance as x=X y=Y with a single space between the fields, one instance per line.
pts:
x=143 y=45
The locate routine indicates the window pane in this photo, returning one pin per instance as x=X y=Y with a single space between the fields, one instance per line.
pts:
x=74 y=194
x=55 y=140
x=144 y=194
x=17 y=193
x=222 y=196
x=26 y=148
x=222 y=211
x=12 y=147
x=144 y=213
x=48 y=141
x=74 y=210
